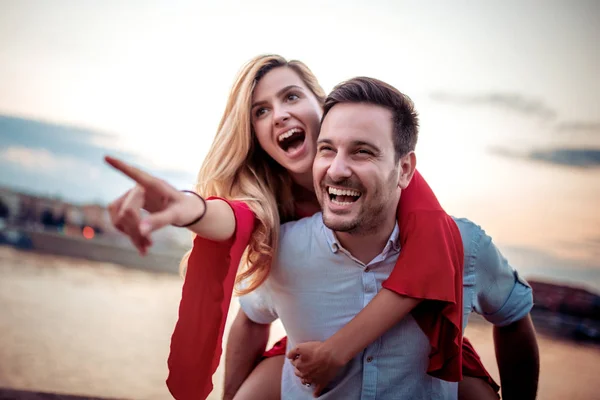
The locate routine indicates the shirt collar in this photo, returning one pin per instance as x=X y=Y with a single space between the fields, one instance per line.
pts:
x=392 y=243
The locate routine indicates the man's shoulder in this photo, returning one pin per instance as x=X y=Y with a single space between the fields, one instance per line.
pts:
x=301 y=226
x=296 y=238
x=473 y=236
x=465 y=223
x=468 y=229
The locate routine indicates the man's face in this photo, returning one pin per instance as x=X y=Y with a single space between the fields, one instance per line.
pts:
x=356 y=175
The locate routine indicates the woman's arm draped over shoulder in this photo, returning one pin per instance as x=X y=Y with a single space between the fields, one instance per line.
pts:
x=430 y=267
x=318 y=363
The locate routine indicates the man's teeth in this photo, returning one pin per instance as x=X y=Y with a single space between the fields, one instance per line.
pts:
x=341 y=203
x=289 y=133
x=343 y=192
x=334 y=192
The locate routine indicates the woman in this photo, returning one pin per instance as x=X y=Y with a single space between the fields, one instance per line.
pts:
x=261 y=162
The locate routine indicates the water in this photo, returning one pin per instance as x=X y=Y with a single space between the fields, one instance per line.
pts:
x=96 y=329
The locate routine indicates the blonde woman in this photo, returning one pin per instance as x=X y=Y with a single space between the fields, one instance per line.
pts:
x=258 y=174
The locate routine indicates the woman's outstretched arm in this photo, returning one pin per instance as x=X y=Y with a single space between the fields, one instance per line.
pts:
x=210 y=219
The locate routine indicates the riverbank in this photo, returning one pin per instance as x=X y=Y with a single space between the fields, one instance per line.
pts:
x=101 y=330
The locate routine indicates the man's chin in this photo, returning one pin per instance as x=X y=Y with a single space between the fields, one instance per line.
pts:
x=339 y=224
x=337 y=215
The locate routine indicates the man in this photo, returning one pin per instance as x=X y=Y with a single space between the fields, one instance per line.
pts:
x=331 y=265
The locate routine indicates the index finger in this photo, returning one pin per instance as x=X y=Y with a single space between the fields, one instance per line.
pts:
x=143 y=178
x=294 y=355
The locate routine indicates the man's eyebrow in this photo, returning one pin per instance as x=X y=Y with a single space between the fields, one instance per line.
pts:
x=279 y=93
x=328 y=141
x=354 y=143
x=357 y=143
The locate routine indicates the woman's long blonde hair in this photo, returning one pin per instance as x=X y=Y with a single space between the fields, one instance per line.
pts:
x=237 y=168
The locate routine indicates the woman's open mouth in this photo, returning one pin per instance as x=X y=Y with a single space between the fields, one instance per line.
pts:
x=291 y=140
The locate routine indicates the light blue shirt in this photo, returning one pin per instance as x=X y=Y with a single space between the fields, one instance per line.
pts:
x=316 y=287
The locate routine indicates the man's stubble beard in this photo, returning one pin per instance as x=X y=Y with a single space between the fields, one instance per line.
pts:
x=370 y=219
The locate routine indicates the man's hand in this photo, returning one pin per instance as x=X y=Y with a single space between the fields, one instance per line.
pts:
x=315 y=364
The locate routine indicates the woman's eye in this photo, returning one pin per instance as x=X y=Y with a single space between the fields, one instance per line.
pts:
x=260 y=111
x=292 y=97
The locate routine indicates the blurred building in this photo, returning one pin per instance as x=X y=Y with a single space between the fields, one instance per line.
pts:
x=565 y=299
x=38 y=213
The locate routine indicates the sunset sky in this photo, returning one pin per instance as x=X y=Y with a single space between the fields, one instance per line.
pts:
x=508 y=93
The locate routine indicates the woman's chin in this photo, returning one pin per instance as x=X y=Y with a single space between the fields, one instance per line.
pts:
x=300 y=167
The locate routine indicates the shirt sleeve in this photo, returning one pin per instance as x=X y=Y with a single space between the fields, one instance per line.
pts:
x=258 y=306
x=502 y=296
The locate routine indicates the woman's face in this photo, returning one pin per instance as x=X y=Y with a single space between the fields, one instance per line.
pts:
x=286 y=118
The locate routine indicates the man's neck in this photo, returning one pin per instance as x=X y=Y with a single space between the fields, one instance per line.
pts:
x=365 y=247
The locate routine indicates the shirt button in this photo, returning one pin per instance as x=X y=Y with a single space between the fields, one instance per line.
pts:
x=369 y=359
x=367 y=269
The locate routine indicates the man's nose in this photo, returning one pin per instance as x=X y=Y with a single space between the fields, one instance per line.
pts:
x=339 y=168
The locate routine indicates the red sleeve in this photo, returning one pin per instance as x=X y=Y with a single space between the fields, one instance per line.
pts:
x=430 y=266
x=196 y=343
x=472 y=366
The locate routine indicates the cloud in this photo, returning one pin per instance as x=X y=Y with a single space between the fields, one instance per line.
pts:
x=569 y=157
x=510 y=101
x=536 y=263
x=578 y=127
x=532 y=256
x=584 y=158
x=57 y=138
x=68 y=161
x=40 y=160
x=521 y=104
x=589 y=246
x=69 y=141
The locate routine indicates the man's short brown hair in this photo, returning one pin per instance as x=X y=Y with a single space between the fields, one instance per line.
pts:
x=373 y=91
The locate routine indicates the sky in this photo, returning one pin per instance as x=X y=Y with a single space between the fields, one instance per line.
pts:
x=508 y=95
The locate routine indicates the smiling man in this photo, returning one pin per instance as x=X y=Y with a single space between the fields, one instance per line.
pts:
x=331 y=265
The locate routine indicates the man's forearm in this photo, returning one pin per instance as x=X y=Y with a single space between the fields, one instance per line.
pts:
x=247 y=341
x=518 y=359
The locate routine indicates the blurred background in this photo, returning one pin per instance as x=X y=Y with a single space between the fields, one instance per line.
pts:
x=509 y=99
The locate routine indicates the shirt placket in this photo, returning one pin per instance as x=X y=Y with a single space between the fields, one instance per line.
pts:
x=369 y=283
x=369 y=387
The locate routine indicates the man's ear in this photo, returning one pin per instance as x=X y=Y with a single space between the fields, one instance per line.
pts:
x=406 y=169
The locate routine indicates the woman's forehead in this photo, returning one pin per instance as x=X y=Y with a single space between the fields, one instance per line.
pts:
x=274 y=81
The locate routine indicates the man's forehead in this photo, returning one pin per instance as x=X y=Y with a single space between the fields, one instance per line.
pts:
x=357 y=113
x=357 y=121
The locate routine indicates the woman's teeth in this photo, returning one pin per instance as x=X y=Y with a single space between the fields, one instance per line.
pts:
x=289 y=133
